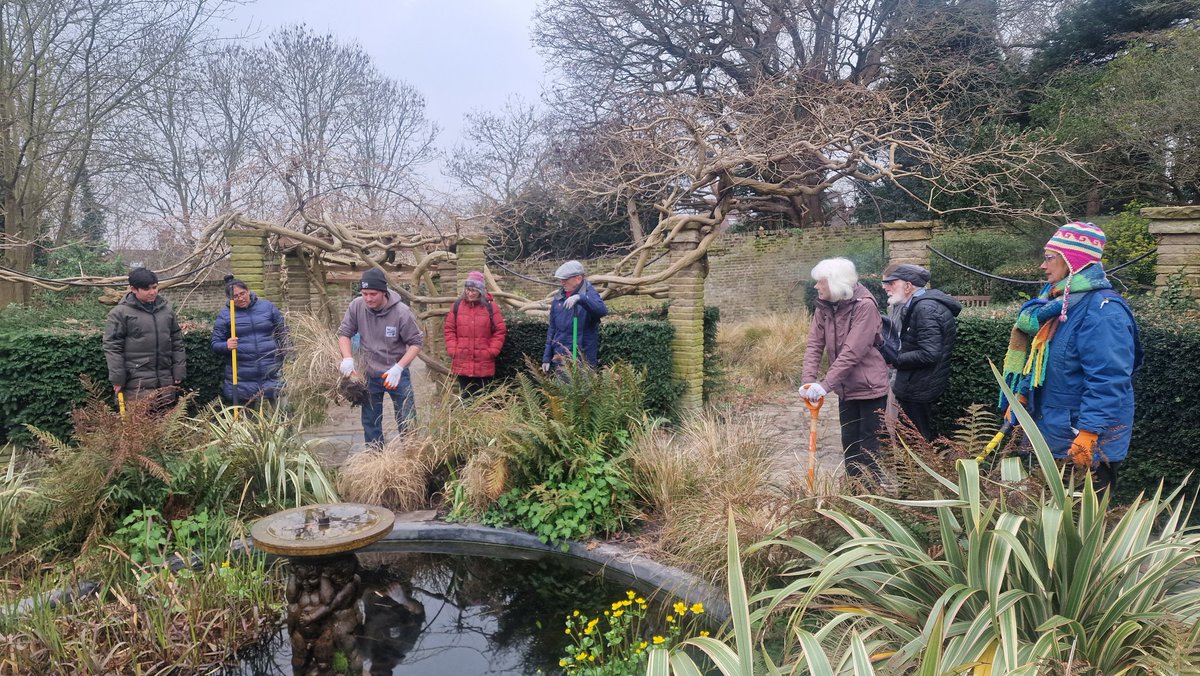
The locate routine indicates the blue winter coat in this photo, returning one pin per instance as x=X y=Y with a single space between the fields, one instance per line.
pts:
x=262 y=340
x=588 y=309
x=1089 y=377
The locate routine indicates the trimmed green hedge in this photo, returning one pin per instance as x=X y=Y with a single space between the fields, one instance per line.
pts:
x=643 y=339
x=40 y=368
x=42 y=358
x=1166 y=436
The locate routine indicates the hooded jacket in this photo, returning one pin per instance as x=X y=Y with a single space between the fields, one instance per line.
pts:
x=474 y=337
x=1089 y=378
x=262 y=340
x=143 y=346
x=848 y=331
x=385 y=334
x=560 y=332
x=926 y=342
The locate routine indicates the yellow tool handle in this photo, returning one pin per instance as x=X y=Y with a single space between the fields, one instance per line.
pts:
x=121 y=402
x=233 y=334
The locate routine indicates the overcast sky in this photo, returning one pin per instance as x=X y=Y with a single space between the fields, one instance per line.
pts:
x=461 y=55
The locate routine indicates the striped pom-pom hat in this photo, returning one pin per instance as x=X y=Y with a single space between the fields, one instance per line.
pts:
x=1079 y=243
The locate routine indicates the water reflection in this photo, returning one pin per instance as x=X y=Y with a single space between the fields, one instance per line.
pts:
x=458 y=615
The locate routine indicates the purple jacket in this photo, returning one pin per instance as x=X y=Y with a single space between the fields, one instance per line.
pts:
x=847 y=331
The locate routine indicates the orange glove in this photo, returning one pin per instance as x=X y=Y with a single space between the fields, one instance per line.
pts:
x=1083 y=448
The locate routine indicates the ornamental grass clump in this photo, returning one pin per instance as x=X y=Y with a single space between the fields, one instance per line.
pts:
x=392 y=476
x=310 y=374
x=619 y=642
x=767 y=349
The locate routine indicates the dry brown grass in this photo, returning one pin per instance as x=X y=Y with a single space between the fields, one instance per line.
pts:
x=311 y=370
x=768 y=349
x=393 y=476
x=691 y=477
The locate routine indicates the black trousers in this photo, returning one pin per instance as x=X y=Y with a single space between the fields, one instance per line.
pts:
x=860 y=419
x=921 y=415
x=471 y=386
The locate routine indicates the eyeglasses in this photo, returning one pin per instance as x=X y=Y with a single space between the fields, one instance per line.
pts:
x=1049 y=257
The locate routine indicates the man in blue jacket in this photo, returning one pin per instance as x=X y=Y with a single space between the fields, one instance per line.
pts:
x=575 y=312
x=1072 y=355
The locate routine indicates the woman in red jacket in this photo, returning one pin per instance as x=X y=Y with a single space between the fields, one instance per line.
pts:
x=474 y=332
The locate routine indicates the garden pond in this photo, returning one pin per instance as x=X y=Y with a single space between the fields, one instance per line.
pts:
x=464 y=609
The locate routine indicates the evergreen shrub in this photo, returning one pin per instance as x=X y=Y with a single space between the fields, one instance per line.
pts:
x=40 y=366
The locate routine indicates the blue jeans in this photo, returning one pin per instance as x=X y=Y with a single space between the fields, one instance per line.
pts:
x=372 y=408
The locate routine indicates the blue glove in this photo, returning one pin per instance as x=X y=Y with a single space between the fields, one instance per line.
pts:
x=570 y=302
x=391 y=379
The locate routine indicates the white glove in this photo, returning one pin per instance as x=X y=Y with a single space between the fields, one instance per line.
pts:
x=391 y=378
x=570 y=302
x=347 y=366
x=812 y=391
x=546 y=368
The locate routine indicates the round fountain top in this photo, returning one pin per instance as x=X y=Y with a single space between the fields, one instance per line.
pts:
x=322 y=530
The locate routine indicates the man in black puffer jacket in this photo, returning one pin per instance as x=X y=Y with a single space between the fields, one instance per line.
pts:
x=143 y=344
x=926 y=331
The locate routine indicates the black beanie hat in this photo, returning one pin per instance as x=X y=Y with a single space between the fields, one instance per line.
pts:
x=374 y=279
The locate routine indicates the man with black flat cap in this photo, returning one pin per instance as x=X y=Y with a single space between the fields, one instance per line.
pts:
x=927 y=329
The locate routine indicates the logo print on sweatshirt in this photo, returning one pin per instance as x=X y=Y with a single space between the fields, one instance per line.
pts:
x=390 y=331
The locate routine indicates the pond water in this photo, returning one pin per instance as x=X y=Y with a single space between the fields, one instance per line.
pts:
x=464 y=614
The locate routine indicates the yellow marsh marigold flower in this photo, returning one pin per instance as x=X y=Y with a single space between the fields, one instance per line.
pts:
x=631 y=594
x=680 y=608
x=642 y=645
x=697 y=608
x=618 y=613
x=225 y=563
x=581 y=656
x=575 y=614
x=703 y=633
x=658 y=640
x=568 y=631
x=562 y=663
x=592 y=658
x=640 y=601
x=670 y=619
x=591 y=625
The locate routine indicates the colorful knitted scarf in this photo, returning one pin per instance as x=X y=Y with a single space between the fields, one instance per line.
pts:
x=1025 y=363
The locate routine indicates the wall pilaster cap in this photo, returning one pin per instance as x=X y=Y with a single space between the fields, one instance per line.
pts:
x=1186 y=213
x=908 y=225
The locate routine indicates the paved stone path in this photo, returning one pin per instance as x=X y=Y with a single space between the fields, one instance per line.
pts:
x=785 y=418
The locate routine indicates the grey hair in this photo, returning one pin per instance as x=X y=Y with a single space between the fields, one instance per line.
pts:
x=841 y=276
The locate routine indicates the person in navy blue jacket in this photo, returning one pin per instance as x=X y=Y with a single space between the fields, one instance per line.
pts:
x=261 y=343
x=1072 y=355
x=575 y=313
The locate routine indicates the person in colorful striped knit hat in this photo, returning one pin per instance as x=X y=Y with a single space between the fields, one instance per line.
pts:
x=1072 y=354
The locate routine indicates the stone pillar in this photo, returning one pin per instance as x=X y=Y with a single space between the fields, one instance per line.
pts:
x=907 y=241
x=686 y=314
x=298 y=288
x=248 y=259
x=469 y=253
x=1178 y=232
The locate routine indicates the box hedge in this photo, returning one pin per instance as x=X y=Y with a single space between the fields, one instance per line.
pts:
x=1166 y=436
x=41 y=362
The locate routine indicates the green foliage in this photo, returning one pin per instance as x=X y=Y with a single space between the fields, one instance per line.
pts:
x=644 y=341
x=982 y=250
x=1127 y=237
x=41 y=361
x=149 y=538
x=1163 y=447
x=566 y=453
x=265 y=451
x=18 y=488
x=1023 y=574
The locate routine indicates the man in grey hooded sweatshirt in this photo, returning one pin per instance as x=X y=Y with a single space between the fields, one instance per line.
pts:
x=390 y=339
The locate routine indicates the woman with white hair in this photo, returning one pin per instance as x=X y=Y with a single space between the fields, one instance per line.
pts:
x=845 y=325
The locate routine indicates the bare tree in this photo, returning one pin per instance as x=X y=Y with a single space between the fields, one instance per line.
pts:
x=66 y=68
x=501 y=154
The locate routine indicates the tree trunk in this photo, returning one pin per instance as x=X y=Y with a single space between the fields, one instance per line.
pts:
x=17 y=255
